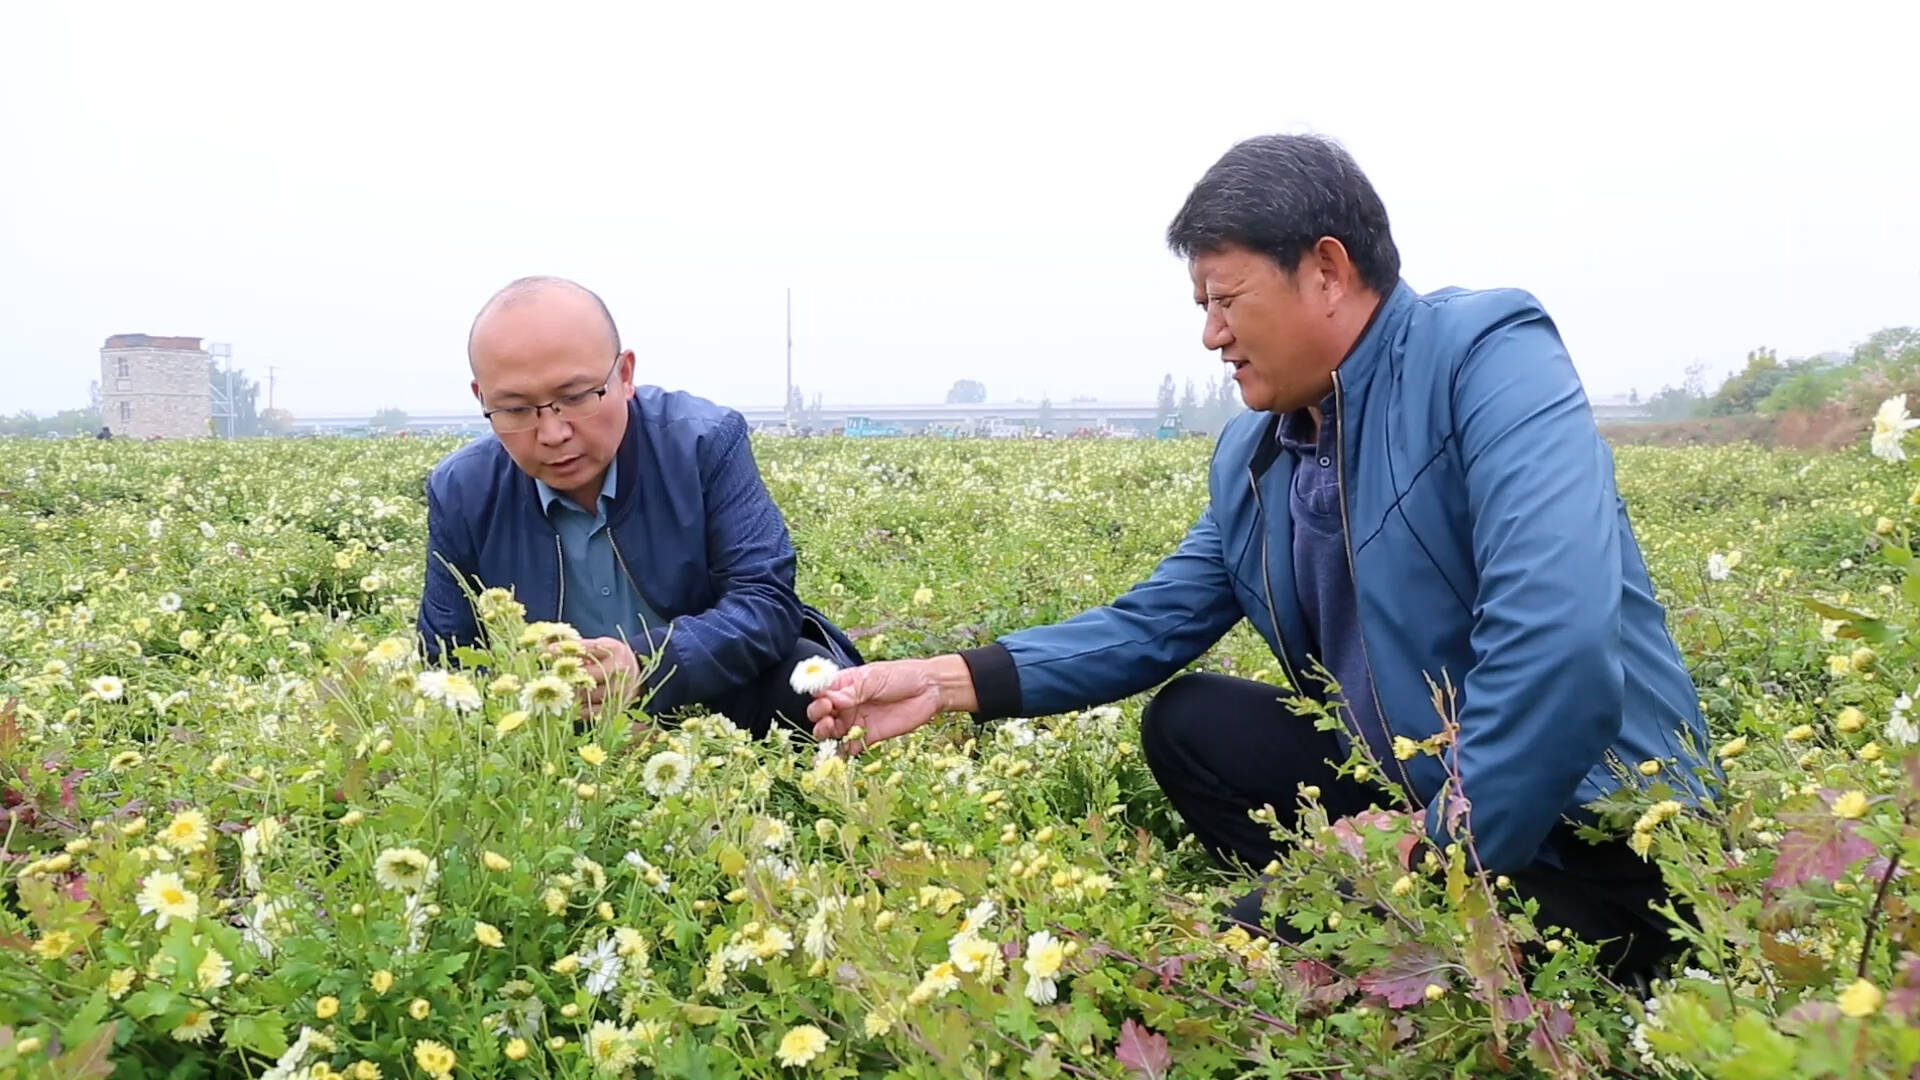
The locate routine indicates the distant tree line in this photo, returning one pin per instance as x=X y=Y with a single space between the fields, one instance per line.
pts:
x=1888 y=362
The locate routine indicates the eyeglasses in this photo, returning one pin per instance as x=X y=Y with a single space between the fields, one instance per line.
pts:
x=583 y=403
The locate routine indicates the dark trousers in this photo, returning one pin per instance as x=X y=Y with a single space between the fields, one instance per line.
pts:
x=770 y=697
x=1221 y=746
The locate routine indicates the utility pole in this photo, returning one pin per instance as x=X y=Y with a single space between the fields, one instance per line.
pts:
x=787 y=407
x=270 y=370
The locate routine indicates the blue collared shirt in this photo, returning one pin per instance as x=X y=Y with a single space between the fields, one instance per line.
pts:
x=601 y=599
x=1323 y=581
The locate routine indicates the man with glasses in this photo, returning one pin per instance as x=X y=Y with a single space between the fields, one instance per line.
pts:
x=635 y=514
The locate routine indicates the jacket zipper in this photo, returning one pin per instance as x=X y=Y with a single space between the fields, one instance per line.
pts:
x=645 y=631
x=1266 y=585
x=1346 y=539
x=560 y=580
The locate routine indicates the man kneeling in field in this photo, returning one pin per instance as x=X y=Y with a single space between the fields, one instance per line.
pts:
x=633 y=513
x=1419 y=490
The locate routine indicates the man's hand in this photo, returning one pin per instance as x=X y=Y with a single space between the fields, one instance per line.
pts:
x=891 y=697
x=615 y=671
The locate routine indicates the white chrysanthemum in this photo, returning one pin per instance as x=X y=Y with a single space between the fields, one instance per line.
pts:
x=1717 y=568
x=973 y=954
x=391 y=652
x=602 y=965
x=812 y=675
x=431 y=685
x=170 y=602
x=978 y=916
x=407 y=870
x=547 y=695
x=666 y=773
x=154 y=529
x=611 y=1048
x=108 y=688
x=1045 y=955
x=1890 y=426
x=1901 y=730
x=166 y=897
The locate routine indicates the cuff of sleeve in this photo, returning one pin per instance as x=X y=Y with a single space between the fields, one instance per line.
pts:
x=996 y=681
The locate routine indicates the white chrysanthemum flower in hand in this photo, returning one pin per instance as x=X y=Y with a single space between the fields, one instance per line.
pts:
x=812 y=675
x=1890 y=426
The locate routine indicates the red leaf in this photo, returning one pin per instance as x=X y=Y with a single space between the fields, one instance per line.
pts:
x=1823 y=846
x=1142 y=1051
x=1316 y=983
x=1404 y=979
x=68 y=801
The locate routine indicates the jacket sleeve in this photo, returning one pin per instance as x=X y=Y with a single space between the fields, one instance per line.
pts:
x=446 y=618
x=1542 y=701
x=755 y=621
x=1134 y=643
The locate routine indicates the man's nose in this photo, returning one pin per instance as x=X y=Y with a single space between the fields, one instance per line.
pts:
x=1215 y=335
x=553 y=428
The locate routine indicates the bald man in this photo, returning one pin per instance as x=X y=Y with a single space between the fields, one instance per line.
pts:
x=635 y=514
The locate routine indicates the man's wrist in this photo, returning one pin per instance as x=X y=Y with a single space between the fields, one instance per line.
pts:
x=953 y=684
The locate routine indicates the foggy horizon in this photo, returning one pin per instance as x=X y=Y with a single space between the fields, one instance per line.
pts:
x=979 y=193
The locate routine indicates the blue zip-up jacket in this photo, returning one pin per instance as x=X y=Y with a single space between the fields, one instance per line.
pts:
x=692 y=524
x=1489 y=549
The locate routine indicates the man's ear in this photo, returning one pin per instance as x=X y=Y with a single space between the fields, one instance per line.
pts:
x=625 y=370
x=1333 y=271
x=476 y=393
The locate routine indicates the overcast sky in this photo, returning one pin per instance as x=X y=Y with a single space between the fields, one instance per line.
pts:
x=964 y=190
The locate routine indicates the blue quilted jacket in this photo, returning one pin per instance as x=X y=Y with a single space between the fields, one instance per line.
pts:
x=1489 y=550
x=696 y=529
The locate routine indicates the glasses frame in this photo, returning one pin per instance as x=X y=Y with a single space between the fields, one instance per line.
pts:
x=558 y=405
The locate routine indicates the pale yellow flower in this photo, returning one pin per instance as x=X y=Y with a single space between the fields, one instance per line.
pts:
x=495 y=862
x=434 y=1059
x=489 y=935
x=592 y=754
x=327 y=1007
x=165 y=896
x=193 y=1027
x=381 y=981
x=801 y=1045
x=1850 y=805
x=186 y=833
x=419 y=1008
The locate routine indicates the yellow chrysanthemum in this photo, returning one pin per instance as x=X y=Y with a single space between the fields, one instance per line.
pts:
x=489 y=935
x=801 y=1045
x=165 y=896
x=1862 y=999
x=186 y=833
x=1851 y=805
x=434 y=1059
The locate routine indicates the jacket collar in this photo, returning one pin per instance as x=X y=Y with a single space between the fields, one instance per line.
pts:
x=1376 y=338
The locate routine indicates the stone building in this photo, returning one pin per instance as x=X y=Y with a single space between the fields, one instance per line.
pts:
x=155 y=386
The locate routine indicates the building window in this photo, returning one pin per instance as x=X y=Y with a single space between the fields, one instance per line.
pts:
x=126 y=407
x=125 y=368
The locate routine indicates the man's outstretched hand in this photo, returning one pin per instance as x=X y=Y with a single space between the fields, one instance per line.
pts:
x=890 y=697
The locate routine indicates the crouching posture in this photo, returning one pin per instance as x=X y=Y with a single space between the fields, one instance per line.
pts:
x=1419 y=491
x=633 y=513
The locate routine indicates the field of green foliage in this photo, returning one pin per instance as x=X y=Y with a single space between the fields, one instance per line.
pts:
x=244 y=833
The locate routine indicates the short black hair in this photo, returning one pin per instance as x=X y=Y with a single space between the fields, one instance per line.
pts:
x=1277 y=195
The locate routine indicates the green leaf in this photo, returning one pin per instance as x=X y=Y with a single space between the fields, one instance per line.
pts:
x=263 y=1034
x=1041 y=1065
x=149 y=1003
x=1760 y=1052
x=1910 y=588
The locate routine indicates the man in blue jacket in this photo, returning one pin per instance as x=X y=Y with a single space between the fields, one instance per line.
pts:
x=635 y=514
x=1418 y=492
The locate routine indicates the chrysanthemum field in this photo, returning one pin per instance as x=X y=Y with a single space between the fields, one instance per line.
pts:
x=244 y=833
